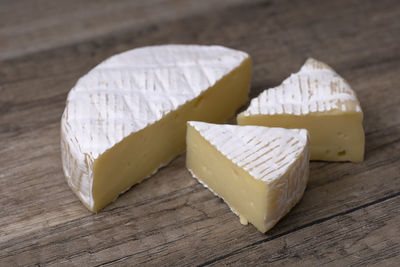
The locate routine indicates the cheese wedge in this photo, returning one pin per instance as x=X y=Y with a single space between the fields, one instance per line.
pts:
x=260 y=172
x=127 y=117
x=319 y=100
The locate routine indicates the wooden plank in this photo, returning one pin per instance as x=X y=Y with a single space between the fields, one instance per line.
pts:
x=30 y=26
x=366 y=236
x=178 y=221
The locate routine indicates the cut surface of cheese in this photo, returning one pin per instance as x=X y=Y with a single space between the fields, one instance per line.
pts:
x=127 y=117
x=318 y=99
x=260 y=172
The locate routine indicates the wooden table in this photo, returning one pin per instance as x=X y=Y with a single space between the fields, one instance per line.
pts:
x=350 y=213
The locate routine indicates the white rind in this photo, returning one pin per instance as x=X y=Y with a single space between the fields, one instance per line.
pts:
x=316 y=88
x=293 y=186
x=128 y=92
x=272 y=151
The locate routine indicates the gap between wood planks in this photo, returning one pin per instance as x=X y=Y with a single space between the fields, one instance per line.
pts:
x=298 y=228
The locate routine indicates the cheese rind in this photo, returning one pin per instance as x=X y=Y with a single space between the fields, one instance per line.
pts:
x=260 y=172
x=127 y=116
x=318 y=99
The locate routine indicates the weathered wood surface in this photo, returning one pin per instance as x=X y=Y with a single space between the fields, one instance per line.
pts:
x=350 y=213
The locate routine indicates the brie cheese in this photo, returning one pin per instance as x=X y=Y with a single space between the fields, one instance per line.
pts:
x=127 y=117
x=260 y=172
x=319 y=100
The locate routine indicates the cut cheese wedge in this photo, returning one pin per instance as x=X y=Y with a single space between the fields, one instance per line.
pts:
x=127 y=117
x=260 y=172
x=319 y=100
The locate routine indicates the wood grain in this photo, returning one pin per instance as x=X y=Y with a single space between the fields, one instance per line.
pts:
x=358 y=240
x=33 y=26
x=349 y=214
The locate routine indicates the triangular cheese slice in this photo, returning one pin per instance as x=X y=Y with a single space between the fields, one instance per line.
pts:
x=319 y=100
x=127 y=116
x=260 y=172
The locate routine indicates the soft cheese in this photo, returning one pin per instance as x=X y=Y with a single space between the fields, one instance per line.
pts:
x=260 y=172
x=318 y=99
x=127 y=116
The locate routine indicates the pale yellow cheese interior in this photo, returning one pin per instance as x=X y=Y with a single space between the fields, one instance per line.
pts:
x=142 y=153
x=334 y=136
x=254 y=201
